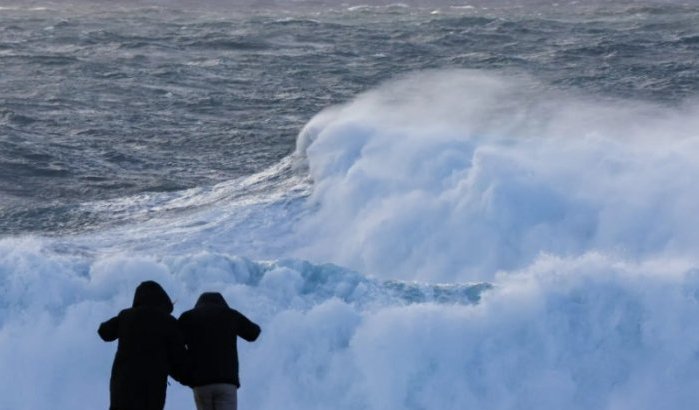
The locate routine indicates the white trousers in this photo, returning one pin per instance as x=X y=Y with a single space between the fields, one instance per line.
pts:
x=220 y=396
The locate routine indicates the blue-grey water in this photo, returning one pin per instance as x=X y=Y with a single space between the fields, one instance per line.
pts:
x=488 y=205
x=99 y=103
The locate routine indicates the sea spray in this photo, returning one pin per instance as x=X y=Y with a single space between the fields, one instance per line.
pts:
x=449 y=175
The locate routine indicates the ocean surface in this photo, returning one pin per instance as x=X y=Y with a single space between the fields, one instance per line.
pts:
x=460 y=206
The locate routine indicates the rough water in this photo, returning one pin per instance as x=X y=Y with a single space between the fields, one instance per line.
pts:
x=439 y=207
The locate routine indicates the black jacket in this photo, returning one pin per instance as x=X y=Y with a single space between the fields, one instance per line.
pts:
x=150 y=347
x=210 y=331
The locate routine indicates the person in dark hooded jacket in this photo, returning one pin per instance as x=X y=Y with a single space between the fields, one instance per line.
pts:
x=211 y=331
x=150 y=348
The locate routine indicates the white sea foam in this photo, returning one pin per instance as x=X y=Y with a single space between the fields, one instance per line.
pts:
x=576 y=333
x=579 y=212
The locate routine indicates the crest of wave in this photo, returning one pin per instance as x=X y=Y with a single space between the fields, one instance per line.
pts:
x=459 y=174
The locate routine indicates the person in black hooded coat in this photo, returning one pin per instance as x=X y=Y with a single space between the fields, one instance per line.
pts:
x=151 y=347
x=211 y=331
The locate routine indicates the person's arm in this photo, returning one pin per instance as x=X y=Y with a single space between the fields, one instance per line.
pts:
x=247 y=329
x=177 y=354
x=109 y=330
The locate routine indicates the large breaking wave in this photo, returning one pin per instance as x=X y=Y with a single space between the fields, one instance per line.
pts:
x=449 y=240
x=462 y=174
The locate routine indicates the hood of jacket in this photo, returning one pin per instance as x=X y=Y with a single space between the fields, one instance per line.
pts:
x=150 y=293
x=211 y=299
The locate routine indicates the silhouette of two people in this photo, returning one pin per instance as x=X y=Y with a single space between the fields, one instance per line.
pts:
x=198 y=350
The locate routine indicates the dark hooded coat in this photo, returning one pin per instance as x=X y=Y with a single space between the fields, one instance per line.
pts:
x=150 y=348
x=211 y=331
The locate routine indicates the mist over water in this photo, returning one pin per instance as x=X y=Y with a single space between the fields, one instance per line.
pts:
x=439 y=208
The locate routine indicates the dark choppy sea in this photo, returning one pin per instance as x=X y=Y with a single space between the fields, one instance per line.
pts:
x=99 y=103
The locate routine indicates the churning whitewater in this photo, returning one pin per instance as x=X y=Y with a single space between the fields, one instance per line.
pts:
x=449 y=238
